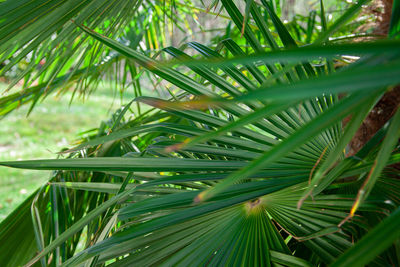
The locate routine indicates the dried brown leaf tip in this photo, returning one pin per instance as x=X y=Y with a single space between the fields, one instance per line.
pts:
x=200 y=197
x=150 y=65
x=157 y=103
x=198 y=104
x=177 y=147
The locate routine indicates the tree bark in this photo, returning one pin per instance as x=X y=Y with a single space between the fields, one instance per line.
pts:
x=389 y=103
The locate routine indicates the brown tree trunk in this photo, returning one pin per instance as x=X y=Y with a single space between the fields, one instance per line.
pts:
x=389 y=103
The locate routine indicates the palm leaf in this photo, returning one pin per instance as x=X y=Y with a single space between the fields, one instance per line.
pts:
x=229 y=194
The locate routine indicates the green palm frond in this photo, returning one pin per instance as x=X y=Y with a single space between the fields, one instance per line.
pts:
x=245 y=163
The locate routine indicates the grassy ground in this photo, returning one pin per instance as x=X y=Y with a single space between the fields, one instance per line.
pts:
x=52 y=125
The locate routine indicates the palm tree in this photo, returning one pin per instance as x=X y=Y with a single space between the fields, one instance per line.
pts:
x=245 y=163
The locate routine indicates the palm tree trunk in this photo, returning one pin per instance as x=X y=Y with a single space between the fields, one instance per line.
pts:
x=389 y=103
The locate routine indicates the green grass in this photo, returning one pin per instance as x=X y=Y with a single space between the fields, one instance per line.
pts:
x=52 y=125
